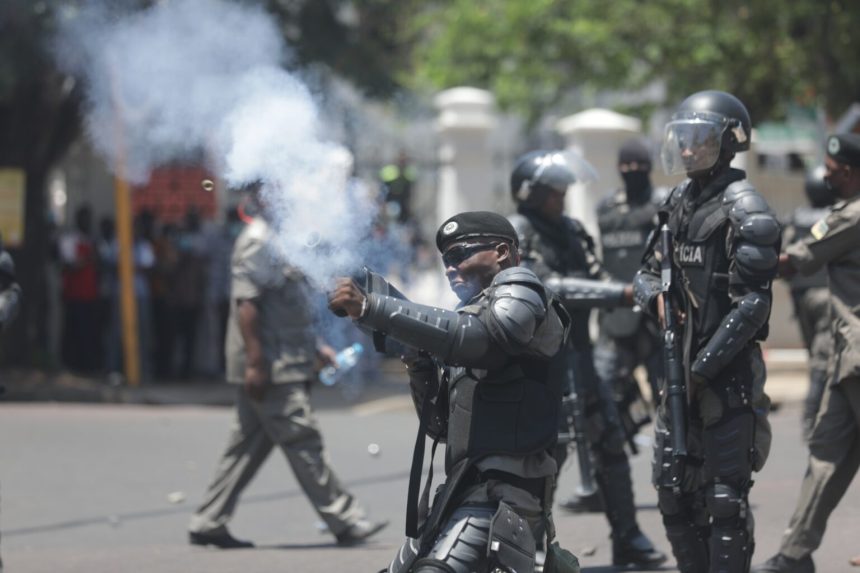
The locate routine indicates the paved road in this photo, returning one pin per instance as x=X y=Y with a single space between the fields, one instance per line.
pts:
x=86 y=488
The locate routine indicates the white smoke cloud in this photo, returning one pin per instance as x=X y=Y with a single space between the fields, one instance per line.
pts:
x=204 y=79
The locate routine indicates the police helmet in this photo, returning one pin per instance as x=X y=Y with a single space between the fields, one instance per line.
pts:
x=706 y=125
x=816 y=188
x=538 y=173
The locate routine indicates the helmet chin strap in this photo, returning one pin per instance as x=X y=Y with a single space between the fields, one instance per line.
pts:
x=723 y=163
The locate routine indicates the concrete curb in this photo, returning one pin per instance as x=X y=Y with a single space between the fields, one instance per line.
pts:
x=787 y=382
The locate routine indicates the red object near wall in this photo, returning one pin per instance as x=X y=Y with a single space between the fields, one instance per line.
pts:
x=171 y=191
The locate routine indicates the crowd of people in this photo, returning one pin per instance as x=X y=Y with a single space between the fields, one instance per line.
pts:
x=181 y=289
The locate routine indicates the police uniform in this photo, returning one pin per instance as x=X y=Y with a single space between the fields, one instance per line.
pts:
x=724 y=260
x=481 y=388
x=627 y=337
x=810 y=298
x=834 y=446
x=283 y=417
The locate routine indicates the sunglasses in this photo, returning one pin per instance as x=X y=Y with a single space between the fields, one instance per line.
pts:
x=456 y=255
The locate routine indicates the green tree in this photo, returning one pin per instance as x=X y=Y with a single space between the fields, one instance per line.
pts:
x=532 y=55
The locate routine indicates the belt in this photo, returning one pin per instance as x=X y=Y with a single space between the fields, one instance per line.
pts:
x=535 y=486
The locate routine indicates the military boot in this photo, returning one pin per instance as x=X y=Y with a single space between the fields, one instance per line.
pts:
x=635 y=550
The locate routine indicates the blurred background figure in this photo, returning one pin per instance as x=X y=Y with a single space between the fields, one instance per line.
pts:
x=80 y=291
x=809 y=293
x=628 y=337
x=397 y=180
x=187 y=290
x=553 y=245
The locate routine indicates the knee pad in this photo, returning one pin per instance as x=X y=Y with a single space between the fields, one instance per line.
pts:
x=725 y=502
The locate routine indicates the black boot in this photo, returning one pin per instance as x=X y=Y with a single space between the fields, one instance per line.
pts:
x=635 y=550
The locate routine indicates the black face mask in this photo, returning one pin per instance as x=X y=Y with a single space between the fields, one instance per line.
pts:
x=637 y=185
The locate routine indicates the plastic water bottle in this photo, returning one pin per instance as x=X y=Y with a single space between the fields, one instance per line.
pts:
x=345 y=359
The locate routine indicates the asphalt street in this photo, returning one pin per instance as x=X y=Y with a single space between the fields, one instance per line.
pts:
x=109 y=488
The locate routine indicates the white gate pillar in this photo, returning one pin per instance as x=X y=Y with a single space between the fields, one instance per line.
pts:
x=467 y=116
x=597 y=135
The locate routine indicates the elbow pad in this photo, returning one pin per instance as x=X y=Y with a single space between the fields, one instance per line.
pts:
x=737 y=329
x=459 y=339
x=646 y=289
x=576 y=293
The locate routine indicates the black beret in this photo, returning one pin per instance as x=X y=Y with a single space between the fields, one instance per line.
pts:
x=474 y=224
x=845 y=148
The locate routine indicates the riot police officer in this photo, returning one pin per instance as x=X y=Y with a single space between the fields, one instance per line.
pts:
x=10 y=292
x=10 y=298
x=725 y=257
x=628 y=338
x=809 y=294
x=559 y=250
x=478 y=379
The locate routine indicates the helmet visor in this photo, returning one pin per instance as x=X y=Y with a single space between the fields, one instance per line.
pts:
x=691 y=144
x=560 y=169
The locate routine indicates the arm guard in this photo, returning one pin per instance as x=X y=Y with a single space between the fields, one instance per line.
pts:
x=586 y=293
x=455 y=338
x=646 y=289
x=754 y=244
x=738 y=327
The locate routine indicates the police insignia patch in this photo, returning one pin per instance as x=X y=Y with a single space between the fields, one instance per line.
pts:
x=833 y=146
x=819 y=229
x=449 y=228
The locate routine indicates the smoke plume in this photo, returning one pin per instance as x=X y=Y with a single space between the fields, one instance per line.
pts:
x=204 y=80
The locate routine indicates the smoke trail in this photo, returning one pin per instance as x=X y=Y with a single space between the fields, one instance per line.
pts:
x=187 y=79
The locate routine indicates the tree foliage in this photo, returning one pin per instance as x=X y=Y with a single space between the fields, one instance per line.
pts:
x=532 y=55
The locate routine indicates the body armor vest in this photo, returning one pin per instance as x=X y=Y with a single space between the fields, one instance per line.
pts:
x=512 y=410
x=701 y=228
x=624 y=232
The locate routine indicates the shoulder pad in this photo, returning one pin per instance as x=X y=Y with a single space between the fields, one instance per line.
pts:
x=675 y=194
x=7 y=265
x=518 y=275
x=660 y=195
x=521 y=225
x=760 y=228
x=519 y=310
x=735 y=190
x=613 y=200
x=745 y=203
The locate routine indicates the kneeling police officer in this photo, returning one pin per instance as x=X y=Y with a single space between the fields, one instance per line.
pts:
x=479 y=381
